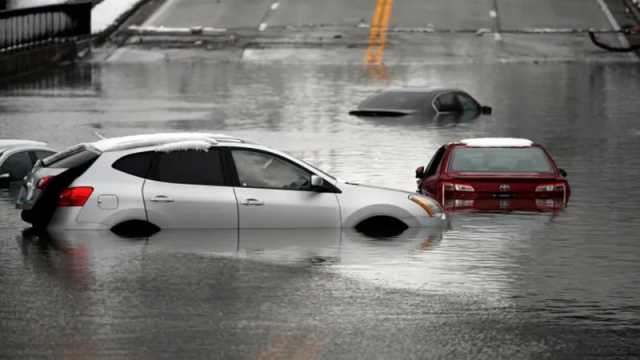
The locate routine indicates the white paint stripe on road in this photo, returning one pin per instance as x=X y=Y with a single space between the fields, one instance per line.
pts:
x=275 y=5
x=159 y=12
x=493 y=14
x=613 y=22
x=263 y=26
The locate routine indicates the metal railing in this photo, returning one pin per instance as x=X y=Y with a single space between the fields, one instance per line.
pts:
x=20 y=28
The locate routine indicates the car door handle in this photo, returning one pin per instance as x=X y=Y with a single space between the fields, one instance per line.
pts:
x=253 y=202
x=161 y=199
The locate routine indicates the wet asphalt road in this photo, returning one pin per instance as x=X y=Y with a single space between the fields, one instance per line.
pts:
x=494 y=285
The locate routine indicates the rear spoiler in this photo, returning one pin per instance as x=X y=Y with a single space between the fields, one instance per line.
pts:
x=68 y=152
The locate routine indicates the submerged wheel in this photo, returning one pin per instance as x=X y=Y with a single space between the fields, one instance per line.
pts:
x=382 y=226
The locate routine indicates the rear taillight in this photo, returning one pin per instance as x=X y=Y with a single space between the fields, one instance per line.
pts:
x=556 y=187
x=457 y=187
x=75 y=196
x=44 y=181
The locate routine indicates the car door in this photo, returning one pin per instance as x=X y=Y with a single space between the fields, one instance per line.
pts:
x=16 y=166
x=274 y=192
x=187 y=189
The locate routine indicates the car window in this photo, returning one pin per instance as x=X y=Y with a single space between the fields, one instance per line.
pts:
x=135 y=164
x=195 y=167
x=41 y=154
x=17 y=165
x=491 y=159
x=448 y=102
x=262 y=170
x=467 y=103
x=435 y=162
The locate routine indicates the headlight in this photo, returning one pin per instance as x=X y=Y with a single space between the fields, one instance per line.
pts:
x=427 y=204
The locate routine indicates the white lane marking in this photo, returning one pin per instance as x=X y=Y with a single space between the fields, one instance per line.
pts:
x=263 y=26
x=275 y=5
x=159 y=12
x=613 y=22
x=493 y=14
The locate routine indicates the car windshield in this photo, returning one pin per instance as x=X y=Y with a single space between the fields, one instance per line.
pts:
x=318 y=170
x=499 y=159
x=396 y=100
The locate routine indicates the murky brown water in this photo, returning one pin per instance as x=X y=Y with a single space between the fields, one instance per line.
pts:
x=520 y=284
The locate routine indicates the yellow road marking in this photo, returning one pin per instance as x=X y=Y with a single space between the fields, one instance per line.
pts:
x=378 y=32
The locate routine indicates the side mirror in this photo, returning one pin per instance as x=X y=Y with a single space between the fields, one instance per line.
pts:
x=563 y=172
x=420 y=172
x=316 y=182
x=486 y=110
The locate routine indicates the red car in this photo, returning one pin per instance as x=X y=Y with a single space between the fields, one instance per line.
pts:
x=494 y=174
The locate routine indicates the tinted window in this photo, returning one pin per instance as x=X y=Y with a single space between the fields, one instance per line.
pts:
x=135 y=164
x=263 y=170
x=469 y=159
x=467 y=103
x=189 y=167
x=435 y=162
x=448 y=102
x=41 y=154
x=74 y=160
x=17 y=165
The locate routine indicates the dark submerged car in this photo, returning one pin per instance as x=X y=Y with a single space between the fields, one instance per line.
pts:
x=421 y=103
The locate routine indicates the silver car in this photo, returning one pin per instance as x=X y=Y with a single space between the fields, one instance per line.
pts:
x=205 y=181
x=17 y=157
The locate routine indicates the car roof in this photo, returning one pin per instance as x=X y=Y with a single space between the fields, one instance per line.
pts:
x=422 y=90
x=164 y=141
x=496 y=142
x=6 y=144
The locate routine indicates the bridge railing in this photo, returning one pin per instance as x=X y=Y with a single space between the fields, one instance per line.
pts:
x=20 y=28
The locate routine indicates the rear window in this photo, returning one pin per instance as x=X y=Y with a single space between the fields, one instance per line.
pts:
x=189 y=167
x=135 y=164
x=476 y=159
x=72 y=160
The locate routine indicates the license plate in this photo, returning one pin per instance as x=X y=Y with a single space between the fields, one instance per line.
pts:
x=502 y=195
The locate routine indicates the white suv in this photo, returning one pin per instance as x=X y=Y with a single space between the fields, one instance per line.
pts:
x=200 y=180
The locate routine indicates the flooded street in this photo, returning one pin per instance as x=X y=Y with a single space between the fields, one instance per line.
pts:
x=493 y=285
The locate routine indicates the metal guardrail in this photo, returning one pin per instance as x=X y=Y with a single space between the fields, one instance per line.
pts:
x=20 y=28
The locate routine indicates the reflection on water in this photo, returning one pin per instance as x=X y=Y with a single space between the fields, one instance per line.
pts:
x=556 y=273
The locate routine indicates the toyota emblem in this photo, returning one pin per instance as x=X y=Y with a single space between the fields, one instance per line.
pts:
x=504 y=187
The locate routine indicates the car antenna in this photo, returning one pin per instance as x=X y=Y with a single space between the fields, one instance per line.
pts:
x=99 y=136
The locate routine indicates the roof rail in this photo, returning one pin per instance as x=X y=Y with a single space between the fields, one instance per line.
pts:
x=137 y=141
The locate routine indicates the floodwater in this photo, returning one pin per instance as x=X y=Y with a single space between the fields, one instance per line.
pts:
x=493 y=285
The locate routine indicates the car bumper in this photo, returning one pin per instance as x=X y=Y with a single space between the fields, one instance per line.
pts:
x=506 y=204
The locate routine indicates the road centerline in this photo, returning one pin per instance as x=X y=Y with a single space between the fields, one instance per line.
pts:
x=378 y=32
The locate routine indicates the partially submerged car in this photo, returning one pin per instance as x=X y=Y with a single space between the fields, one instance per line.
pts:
x=198 y=181
x=494 y=174
x=17 y=157
x=421 y=103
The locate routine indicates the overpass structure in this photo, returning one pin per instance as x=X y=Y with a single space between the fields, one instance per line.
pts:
x=390 y=30
x=36 y=37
